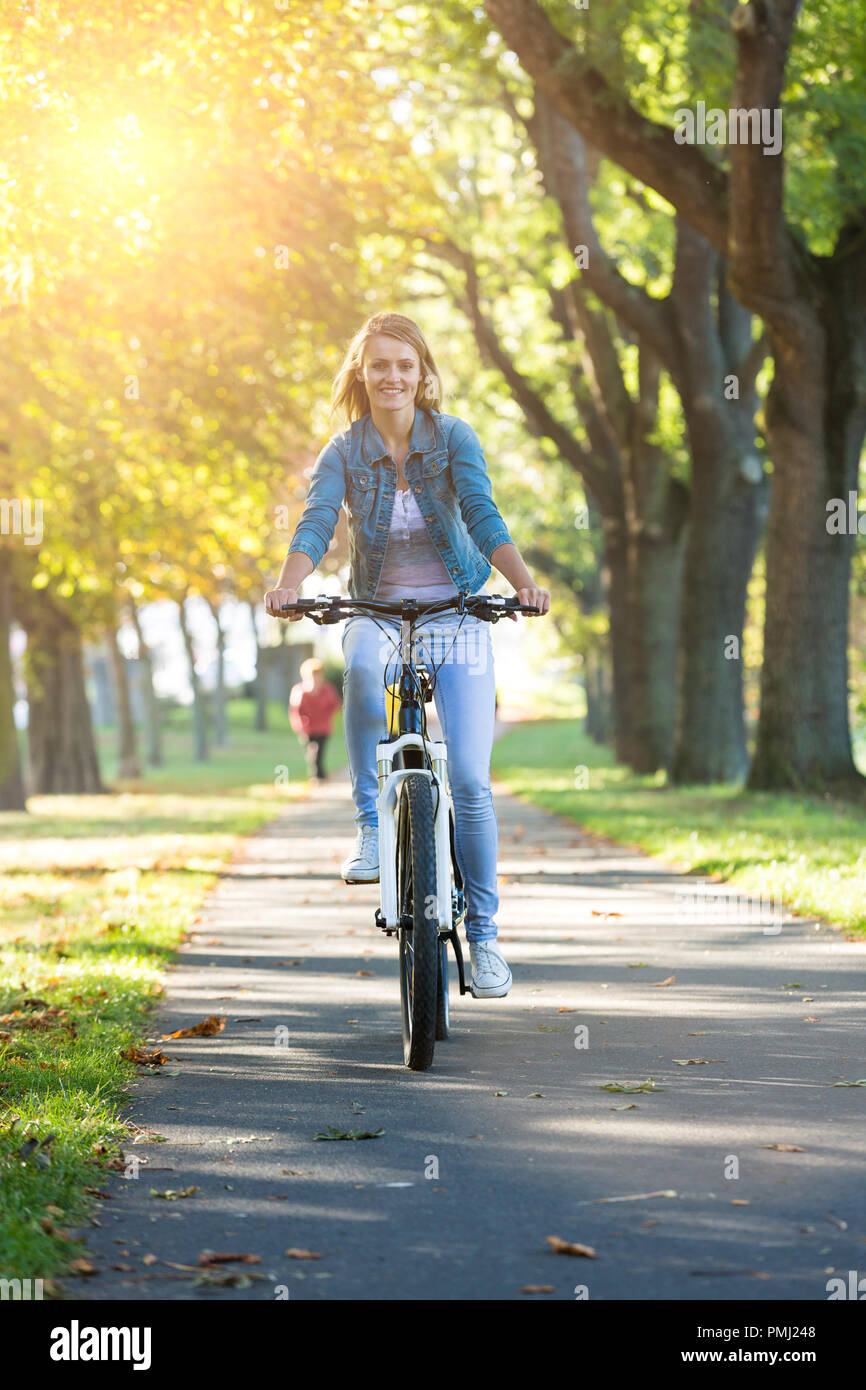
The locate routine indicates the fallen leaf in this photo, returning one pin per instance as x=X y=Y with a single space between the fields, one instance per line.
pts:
x=660 y=984
x=537 y=1288
x=208 y=1027
x=171 y=1264
x=277 y=1197
x=570 y=1247
x=624 y=1107
x=638 y=964
x=172 y=1194
x=739 y=1202
x=367 y=973
x=654 y=1222
x=333 y=1133
x=296 y=1172
x=850 y=1083
x=226 y=1278
x=145 y=1059
x=149 y=1259
x=701 y=1034
x=560 y=1011
x=696 y=1061
x=500 y=1093
x=604 y=914
x=631 y=1090
x=637 y=1196
x=811 y=1019
x=207 y=1258
x=83 y=1267
x=786 y=1148
x=295 y=1254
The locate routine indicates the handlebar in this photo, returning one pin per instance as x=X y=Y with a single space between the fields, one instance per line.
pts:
x=487 y=607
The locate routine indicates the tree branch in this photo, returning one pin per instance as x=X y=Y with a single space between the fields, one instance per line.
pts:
x=649 y=151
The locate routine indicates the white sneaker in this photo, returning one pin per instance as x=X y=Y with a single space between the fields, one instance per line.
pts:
x=491 y=977
x=362 y=865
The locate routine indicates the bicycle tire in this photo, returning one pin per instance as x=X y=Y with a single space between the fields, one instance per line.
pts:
x=419 y=948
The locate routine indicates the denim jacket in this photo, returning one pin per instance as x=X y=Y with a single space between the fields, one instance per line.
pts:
x=446 y=470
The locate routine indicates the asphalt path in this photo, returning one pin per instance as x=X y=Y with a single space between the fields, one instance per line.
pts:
x=626 y=972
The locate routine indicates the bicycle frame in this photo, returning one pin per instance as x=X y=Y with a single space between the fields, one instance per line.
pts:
x=416 y=755
x=411 y=737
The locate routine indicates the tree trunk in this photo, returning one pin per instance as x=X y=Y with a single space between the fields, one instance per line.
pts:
x=816 y=416
x=616 y=583
x=11 y=782
x=725 y=523
x=261 y=700
x=199 y=718
x=655 y=581
x=153 y=727
x=128 y=766
x=656 y=507
x=63 y=757
x=715 y=375
x=599 y=696
x=220 y=727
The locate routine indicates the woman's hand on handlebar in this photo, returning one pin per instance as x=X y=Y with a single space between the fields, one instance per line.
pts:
x=276 y=598
x=532 y=598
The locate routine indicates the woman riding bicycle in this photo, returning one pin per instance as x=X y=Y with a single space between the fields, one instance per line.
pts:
x=422 y=524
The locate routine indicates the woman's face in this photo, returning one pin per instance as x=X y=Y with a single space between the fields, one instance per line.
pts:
x=391 y=372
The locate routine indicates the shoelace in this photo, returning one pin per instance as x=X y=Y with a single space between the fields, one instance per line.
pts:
x=483 y=957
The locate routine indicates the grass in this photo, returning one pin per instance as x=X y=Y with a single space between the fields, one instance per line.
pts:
x=808 y=852
x=95 y=894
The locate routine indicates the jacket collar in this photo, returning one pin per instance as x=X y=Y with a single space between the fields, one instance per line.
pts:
x=422 y=441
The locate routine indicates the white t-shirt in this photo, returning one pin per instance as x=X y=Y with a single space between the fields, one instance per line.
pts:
x=412 y=566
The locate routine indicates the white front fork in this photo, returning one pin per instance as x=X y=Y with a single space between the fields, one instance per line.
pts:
x=386 y=804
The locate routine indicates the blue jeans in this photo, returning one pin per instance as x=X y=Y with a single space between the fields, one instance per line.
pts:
x=465 y=702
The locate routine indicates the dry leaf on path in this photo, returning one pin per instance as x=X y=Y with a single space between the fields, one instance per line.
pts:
x=207 y=1258
x=208 y=1027
x=149 y=1259
x=786 y=1148
x=538 y=1288
x=627 y=1089
x=172 y=1194
x=570 y=1247
x=660 y=984
x=83 y=1267
x=333 y=1133
x=637 y=1196
x=696 y=1061
x=145 y=1059
x=295 y=1254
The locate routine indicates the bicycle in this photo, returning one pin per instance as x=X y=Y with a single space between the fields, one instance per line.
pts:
x=417 y=855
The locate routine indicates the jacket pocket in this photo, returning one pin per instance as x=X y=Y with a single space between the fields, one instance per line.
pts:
x=360 y=491
x=436 y=464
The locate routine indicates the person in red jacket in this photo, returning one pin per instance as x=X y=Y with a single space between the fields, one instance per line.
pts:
x=312 y=706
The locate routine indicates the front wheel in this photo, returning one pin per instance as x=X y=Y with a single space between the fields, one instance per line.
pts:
x=419 y=945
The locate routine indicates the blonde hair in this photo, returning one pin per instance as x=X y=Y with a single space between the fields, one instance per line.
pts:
x=349 y=396
x=311 y=667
